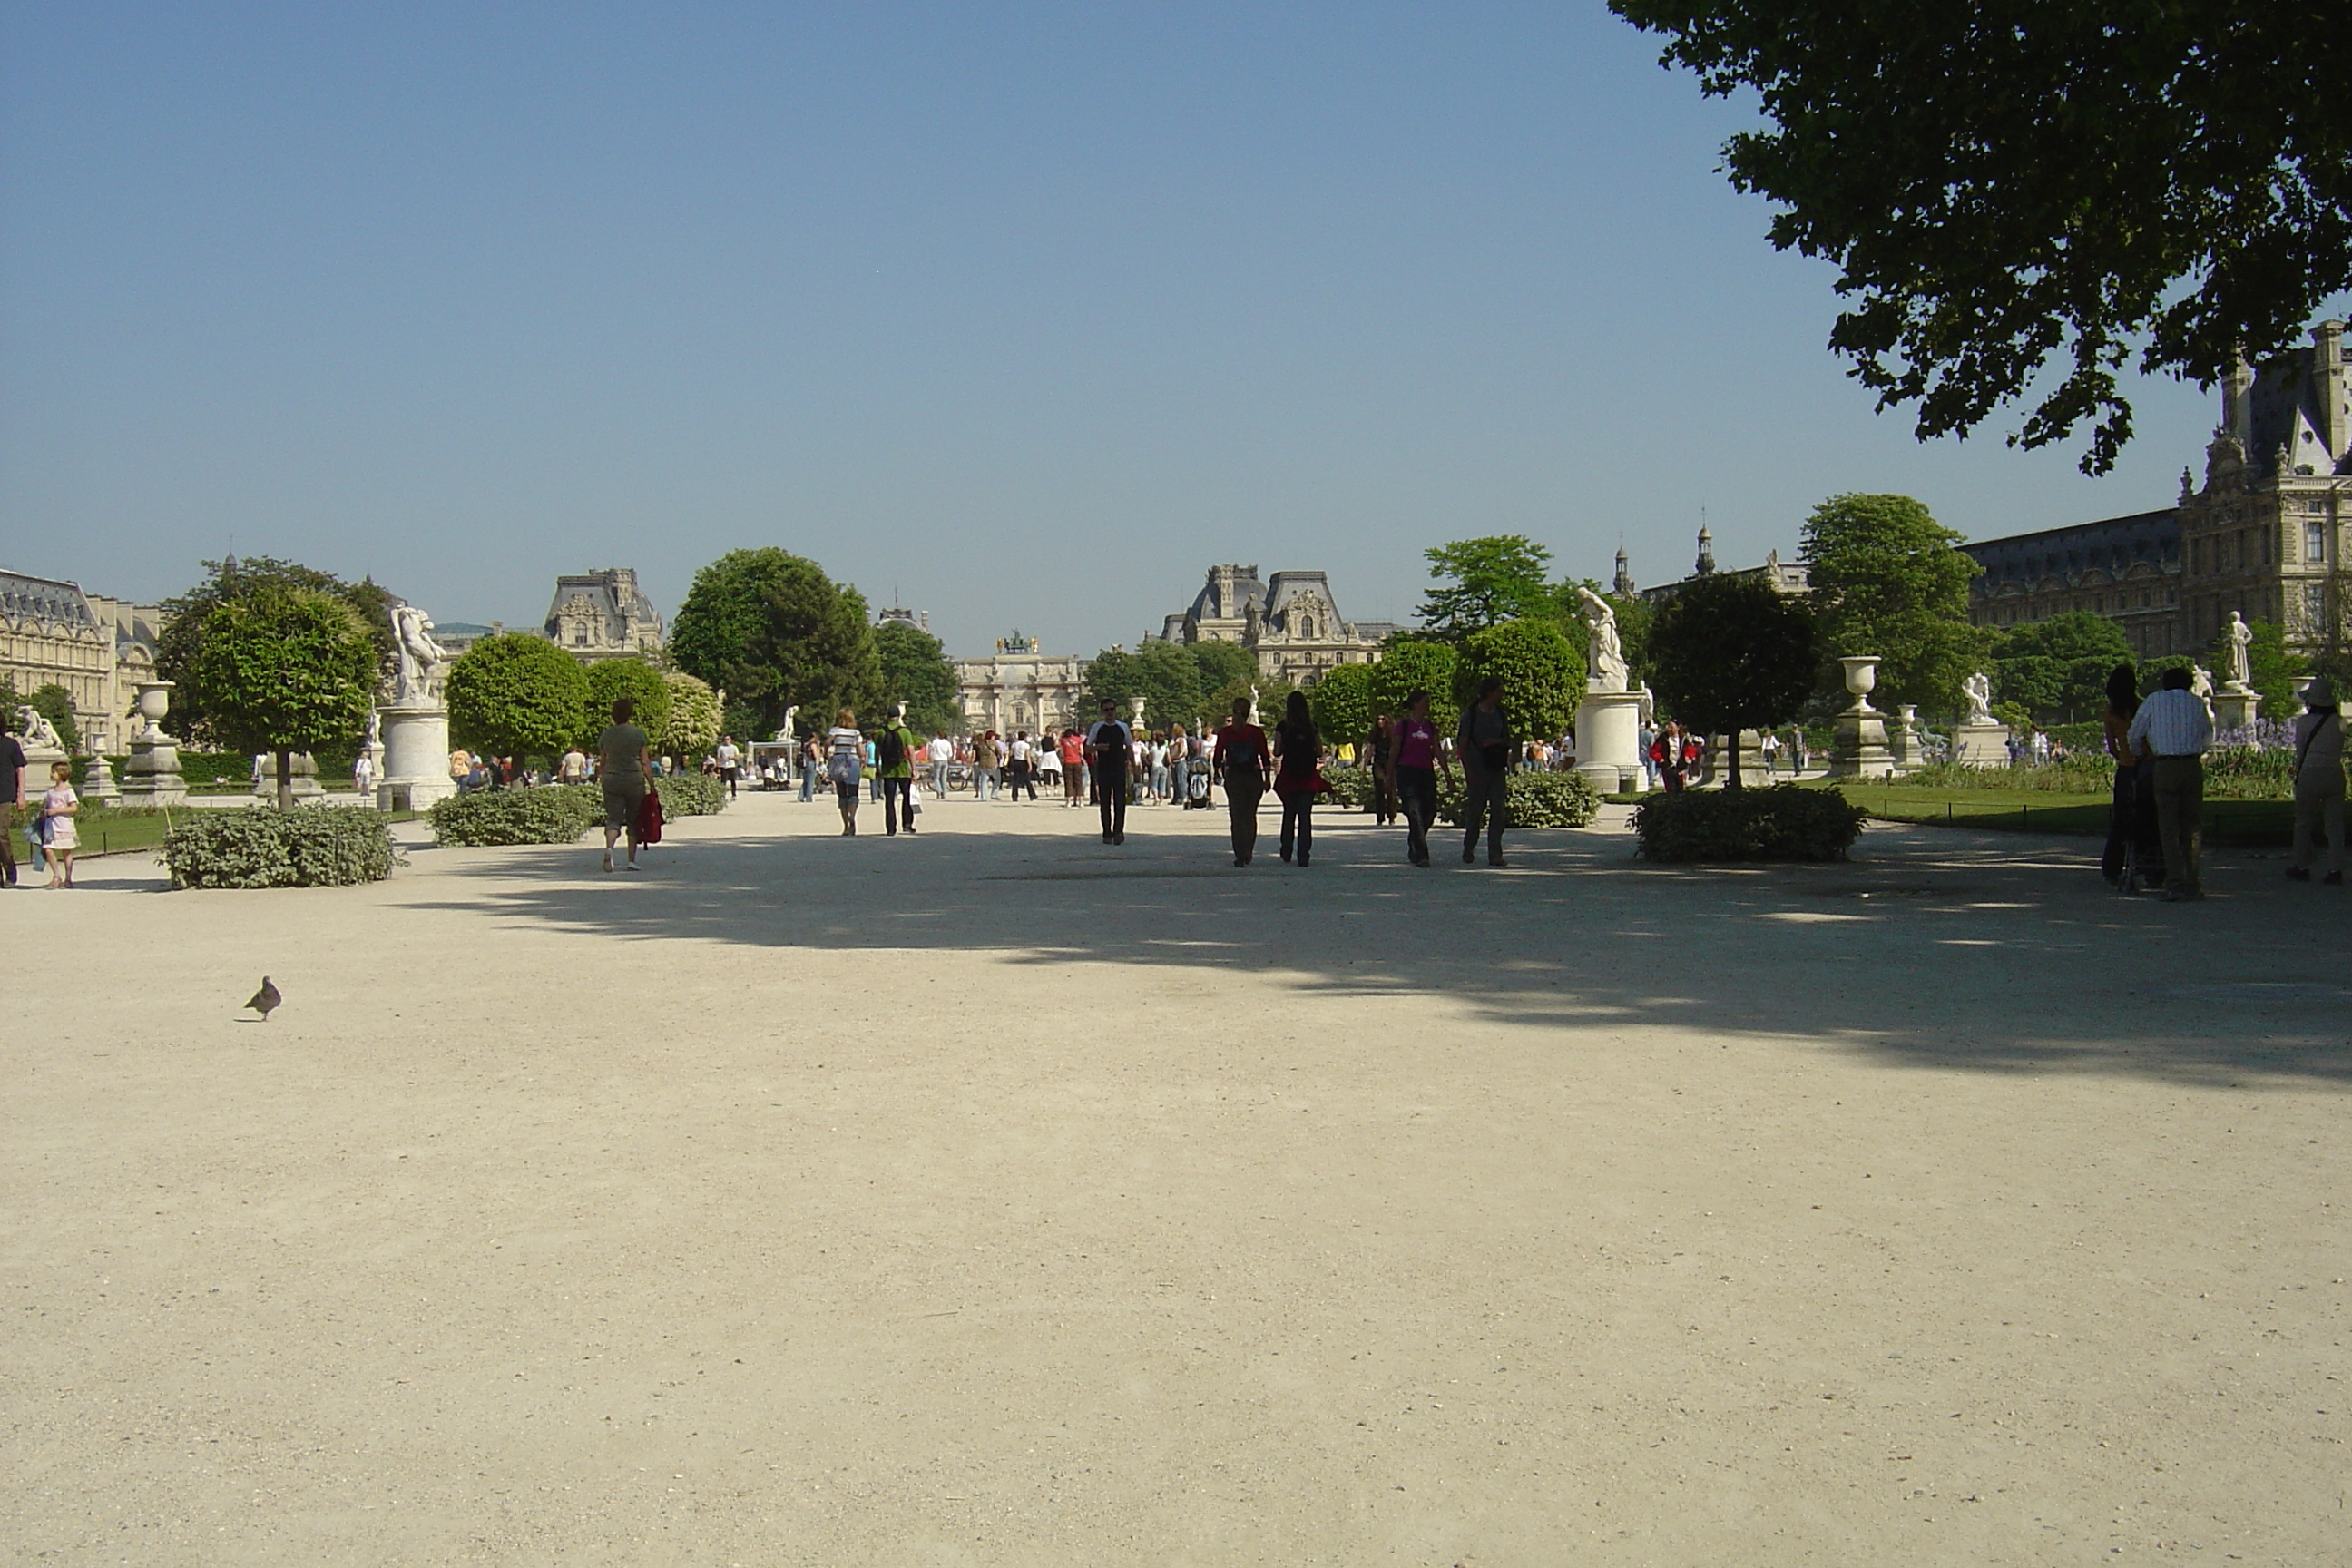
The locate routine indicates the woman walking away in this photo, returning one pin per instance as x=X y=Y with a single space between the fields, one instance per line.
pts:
x=59 y=835
x=1296 y=743
x=2319 y=781
x=1379 y=756
x=1242 y=764
x=1485 y=742
x=625 y=772
x=1412 y=774
x=2132 y=841
x=845 y=761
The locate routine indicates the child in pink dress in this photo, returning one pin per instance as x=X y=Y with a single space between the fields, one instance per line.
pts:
x=58 y=836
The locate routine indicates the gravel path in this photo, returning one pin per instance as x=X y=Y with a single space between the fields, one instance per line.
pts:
x=997 y=1197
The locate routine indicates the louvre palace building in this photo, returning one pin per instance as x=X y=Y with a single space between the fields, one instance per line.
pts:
x=2264 y=534
x=1290 y=621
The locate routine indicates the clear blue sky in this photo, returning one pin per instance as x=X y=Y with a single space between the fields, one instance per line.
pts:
x=1028 y=313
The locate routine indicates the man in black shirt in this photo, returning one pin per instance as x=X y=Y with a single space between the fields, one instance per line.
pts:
x=1107 y=744
x=11 y=790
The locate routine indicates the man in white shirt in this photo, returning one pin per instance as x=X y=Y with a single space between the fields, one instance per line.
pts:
x=2173 y=727
x=574 y=769
x=731 y=763
x=941 y=752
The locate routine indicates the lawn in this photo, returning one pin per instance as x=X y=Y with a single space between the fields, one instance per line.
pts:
x=2239 y=822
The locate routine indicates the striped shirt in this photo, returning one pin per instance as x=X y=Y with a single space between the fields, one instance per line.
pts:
x=2173 y=725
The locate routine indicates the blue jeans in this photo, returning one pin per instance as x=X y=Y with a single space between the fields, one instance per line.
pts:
x=808 y=780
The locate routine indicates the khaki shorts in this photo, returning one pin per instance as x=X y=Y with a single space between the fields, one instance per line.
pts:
x=622 y=804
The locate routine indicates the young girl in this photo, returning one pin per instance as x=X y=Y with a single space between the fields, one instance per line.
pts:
x=58 y=807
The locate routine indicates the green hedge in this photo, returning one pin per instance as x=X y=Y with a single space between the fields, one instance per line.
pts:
x=690 y=795
x=1537 y=800
x=1784 y=822
x=262 y=847
x=556 y=815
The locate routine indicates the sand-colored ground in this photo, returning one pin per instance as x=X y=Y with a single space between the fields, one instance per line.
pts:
x=995 y=1197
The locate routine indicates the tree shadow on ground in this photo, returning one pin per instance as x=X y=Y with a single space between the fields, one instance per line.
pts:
x=1932 y=947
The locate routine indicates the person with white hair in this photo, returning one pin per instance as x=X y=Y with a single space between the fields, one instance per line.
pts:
x=2319 y=782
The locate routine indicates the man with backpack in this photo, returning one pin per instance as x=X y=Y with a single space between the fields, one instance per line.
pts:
x=894 y=769
x=1108 y=741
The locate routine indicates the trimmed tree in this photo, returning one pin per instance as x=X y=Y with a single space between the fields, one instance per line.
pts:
x=518 y=695
x=283 y=669
x=693 y=727
x=773 y=631
x=1886 y=579
x=1409 y=664
x=1541 y=671
x=1729 y=654
x=632 y=678
x=915 y=671
x=1343 y=703
x=180 y=644
x=2058 y=668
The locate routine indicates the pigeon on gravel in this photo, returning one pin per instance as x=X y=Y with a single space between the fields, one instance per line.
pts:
x=265 y=999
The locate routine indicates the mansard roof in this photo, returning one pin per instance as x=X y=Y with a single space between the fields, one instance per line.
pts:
x=2111 y=545
x=47 y=599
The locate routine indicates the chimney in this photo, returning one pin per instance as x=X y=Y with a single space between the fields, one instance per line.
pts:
x=2327 y=382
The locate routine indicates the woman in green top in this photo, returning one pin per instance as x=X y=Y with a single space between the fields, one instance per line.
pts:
x=624 y=767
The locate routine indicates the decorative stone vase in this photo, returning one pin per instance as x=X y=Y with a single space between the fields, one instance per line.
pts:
x=1860 y=751
x=154 y=701
x=152 y=776
x=1860 y=679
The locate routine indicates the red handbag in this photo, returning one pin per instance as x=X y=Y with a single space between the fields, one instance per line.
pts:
x=649 y=818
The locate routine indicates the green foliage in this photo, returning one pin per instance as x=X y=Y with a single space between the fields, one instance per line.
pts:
x=1167 y=676
x=631 y=678
x=2057 y=668
x=915 y=670
x=1537 y=800
x=1484 y=582
x=2082 y=773
x=1542 y=673
x=550 y=816
x=313 y=847
x=693 y=727
x=1886 y=579
x=179 y=646
x=1780 y=822
x=690 y=794
x=1729 y=654
x=515 y=695
x=1341 y=703
x=773 y=631
x=284 y=670
x=1414 y=664
x=2002 y=186
x=1223 y=664
x=55 y=703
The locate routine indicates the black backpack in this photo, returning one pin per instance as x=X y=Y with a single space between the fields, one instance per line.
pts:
x=890 y=750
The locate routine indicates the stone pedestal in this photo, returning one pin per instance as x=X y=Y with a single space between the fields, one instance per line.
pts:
x=2234 y=708
x=1980 y=746
x=416 y=758
x=38 y=761
x=1904 y=742
x=1608 y=739
x=303 y=766
x=1860 y=749
x=98 y=785
x=152 y=776
x=1718 y=760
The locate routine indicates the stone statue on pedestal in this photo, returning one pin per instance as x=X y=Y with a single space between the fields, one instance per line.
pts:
x=39 y=735
x=1605 y=661
x=419 y=653
x=2240 y=664
x=1978 y=689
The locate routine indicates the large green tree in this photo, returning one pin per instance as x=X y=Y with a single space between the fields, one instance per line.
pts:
x=632 y=678
x=1731 y=653
x=515 y=695
x=283 y=669
x=1541 y=671
x=915 y=670
x=2007 y=183
x=180 y=643
x=1887 y=579
x=773 y=631
x=2057 y=668
x=1484 y=582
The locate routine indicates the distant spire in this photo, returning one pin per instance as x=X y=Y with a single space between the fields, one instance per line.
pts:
x=1705 y=552
x=1622 y=583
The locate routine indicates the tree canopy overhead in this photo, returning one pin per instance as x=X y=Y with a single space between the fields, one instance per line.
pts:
x=2007 y=183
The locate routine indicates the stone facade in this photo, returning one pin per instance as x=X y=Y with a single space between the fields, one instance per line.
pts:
x=1290 y=621
x=2264 y=534
x=1017 y=687
x=601 y=615
x=98 y=648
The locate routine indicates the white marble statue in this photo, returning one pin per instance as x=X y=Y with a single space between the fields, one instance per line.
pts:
x=38 y=732
x=2241 y=638
x=375 y=731
x=2200 y=685
x=418 y=655
x=1978 y=689
x=1605 y=661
